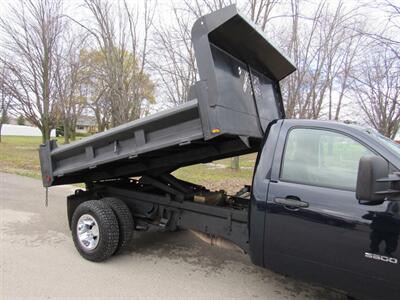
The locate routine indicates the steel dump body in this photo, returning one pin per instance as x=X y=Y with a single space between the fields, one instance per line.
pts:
x=160 y=143
x=229 y=108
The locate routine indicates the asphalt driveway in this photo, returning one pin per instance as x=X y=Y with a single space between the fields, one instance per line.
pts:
x=38 y=259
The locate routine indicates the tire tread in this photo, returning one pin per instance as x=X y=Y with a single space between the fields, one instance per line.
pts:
x=108 y=226
x=125 y=222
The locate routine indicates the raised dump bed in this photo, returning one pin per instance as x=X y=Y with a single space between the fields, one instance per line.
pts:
x=229 y=109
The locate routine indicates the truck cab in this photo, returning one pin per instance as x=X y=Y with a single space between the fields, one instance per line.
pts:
x=313 y=226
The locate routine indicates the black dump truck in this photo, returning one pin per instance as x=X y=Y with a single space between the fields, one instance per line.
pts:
x=324 y=201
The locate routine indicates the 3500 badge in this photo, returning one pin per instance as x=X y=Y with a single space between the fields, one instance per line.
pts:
x=381 y=258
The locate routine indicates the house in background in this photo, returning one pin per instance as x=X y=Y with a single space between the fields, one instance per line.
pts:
x=86 y=124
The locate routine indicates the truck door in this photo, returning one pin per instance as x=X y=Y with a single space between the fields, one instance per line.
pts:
x=315 y=227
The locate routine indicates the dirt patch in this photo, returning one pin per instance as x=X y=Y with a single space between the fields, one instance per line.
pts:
x=231 y=186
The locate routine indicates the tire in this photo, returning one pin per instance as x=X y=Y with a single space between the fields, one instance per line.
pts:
x=91 y=218
x=125 y=222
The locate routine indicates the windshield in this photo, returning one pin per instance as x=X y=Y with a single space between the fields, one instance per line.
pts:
x=393 y=146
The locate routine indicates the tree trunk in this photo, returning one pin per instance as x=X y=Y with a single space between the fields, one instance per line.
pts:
x=46 y=133
x=73 y=134
x=72 y=129
x=235 y=163
x=3 y=117
x=66 y=132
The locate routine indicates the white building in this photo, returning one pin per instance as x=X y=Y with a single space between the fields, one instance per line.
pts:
x=20 y=130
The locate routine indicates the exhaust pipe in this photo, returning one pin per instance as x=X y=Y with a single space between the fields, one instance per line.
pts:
x=217 y=241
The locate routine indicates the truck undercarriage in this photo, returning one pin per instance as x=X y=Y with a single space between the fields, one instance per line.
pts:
x=170 y=203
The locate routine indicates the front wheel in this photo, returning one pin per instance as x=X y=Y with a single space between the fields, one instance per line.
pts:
x=95 y=230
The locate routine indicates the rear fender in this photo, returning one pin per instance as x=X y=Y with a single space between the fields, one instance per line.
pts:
x=73 y=201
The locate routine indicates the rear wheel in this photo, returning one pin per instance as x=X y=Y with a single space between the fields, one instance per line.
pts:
x=125 y=222
x=95 y=230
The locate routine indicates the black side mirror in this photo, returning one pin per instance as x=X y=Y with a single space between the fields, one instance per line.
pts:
x=370 y=169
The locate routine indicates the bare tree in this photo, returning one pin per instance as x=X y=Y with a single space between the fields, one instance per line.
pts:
x=6 y=100
x=117 y=34
x=323 y=46
x=173 y=58
x=260 y=11
x=376 y=86
x=94 y=87
x=30 y=35
x=198 y=8
x=387 y=32
x=343 y=66
x=343 y=50
x=69 y=77
x=174 y=61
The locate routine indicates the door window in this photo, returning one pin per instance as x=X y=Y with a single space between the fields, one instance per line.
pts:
x=322 y=158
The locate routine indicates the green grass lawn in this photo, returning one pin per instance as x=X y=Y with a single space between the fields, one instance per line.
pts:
x=19 y=155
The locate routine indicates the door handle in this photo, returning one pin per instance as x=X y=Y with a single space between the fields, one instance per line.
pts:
x=291 y=202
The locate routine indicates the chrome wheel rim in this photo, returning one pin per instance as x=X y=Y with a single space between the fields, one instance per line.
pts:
x=87 y=231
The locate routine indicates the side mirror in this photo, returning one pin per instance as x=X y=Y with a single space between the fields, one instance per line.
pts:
x=370 y=169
